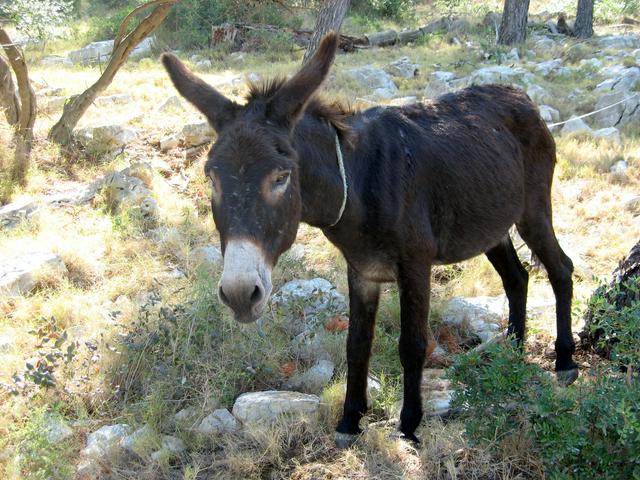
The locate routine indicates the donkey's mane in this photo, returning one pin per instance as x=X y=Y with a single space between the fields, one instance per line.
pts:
x=335 y=113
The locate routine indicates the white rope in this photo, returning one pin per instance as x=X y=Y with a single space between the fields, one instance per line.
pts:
x=594 y=112
x=343 y=175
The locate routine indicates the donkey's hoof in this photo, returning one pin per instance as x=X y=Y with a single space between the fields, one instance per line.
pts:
x=345 y=440
x=567 y=377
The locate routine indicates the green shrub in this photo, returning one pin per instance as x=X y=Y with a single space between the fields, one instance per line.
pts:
x=588 y=431
x=610 y=11
x=394 y=9
x=36 y=18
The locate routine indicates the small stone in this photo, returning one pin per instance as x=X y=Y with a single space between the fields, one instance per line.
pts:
x=57 y=430
x=439 y=83
x=12 y=213
x=608 y=133
x=171 y=103
x=260 y=407
x=575 y=126
x=546 y=68
x=590 y=63
x=18 y=275
x=195 y=134
x=105 y=137
x=633 y=205
x=173 y=444
x=186 y=415
x=7 y=343
x=88 y=469
x=549 y=114
x=139 y=440
x=220 y=421
x=207 y=256
x=538 y=94
x=403 y=68
x=204 y=64
x=105 y=440
x=117 y=99
x=314 y=379
x=619 y=171
x=375 y=79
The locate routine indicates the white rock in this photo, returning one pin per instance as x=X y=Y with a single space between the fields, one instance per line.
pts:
x=375 y=79
x=633 y=205
x=107 y=137
x=7 y=342
x=630 y=40
x=436 y=392
x=439 y=83
x=139 y=440
x=403 y=68
x=56 y=60
x=204 y=64
x=57 y=430
x=313 y=298
x=549 y=114
x=49 y=104
x=636 y=54
x=116 y=99
x=105 y=440
x=308 y=346
x=171 y=103
x=195 y=134
x=590 y=63
x=143 y=49
x=403 y=101
x=169 y=142
x=18 y=275
x=496 y=74
x=483 y=315
x=173 y=444
x=538 y=94
x=12 y=213
x=544 y=44
x=186 y=414
x=619 y=170
x=220 y=421
x=608 y=133
x=208 y=256
x=314 y=379
x=92 y=52
x=617 y=114
x=575 y=125
x=546 y=68
x=259 y=407
x=75 y=194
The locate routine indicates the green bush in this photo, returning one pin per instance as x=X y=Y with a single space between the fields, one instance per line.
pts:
x=394 y=9
x=588 y=431
x=610 y=11
x=36 y=18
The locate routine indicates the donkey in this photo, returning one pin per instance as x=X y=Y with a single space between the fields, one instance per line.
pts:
x=396 y=189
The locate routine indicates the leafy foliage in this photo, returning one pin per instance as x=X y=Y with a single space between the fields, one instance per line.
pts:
x=36 y=18
x=395 y=9
x=588 y=431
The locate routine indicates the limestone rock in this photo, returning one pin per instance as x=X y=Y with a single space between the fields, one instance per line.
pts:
x=116 y=99
x=314 y=379
x=92 y=52
x=633 y=205
x=617 y=115
x=267 y=406
x=574 y=126
x=204 y=64
x=403 y=68
x=496 y=74
x=436 y=392
x=538 y=94
x=171 y=103
x=608 y=133
x=484 y=316
x=18 y=275
x=13 y=213
x=619 y=171
x=546 y=68
x=138 y=441
x=195 y=134
x=375 y=79
x=549 y=114
x=307 y=302
x=105 y=440
x=105 y=137
x=439 y=83
x=630 y=40
x=57 y=430
x=220 y=421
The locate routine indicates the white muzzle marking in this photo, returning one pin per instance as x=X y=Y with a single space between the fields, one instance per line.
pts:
x=245 y=285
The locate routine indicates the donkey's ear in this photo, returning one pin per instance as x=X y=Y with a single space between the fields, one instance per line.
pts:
x=288 y=104
x=216 y=107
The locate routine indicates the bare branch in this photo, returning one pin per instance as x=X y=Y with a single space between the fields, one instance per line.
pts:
x=73 y=110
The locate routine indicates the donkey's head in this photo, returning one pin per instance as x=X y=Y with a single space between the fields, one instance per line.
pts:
x=253 y=170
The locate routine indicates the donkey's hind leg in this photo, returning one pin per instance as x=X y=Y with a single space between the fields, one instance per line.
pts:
x=515 y=279
x=537 y=231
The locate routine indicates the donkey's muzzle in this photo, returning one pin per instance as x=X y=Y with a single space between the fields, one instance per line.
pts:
x=245 y=285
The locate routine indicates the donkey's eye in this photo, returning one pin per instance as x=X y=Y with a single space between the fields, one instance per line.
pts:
x=282 y=179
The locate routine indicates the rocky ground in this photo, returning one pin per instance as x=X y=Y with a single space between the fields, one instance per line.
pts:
x=118 y=362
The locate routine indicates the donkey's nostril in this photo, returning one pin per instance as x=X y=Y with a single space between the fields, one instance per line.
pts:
x=257 y=295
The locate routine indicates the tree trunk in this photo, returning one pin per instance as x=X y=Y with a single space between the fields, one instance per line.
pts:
x=23 y=136
x=513 y=28
x=61 y=132
x=9 y=100
x=583 y=27
x=621 y=292
x=330 y=17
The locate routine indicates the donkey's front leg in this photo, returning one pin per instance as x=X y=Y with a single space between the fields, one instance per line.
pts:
x=414 y=282
x=363 y=304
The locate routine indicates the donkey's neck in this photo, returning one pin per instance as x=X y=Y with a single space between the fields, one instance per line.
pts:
x=321 y=184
